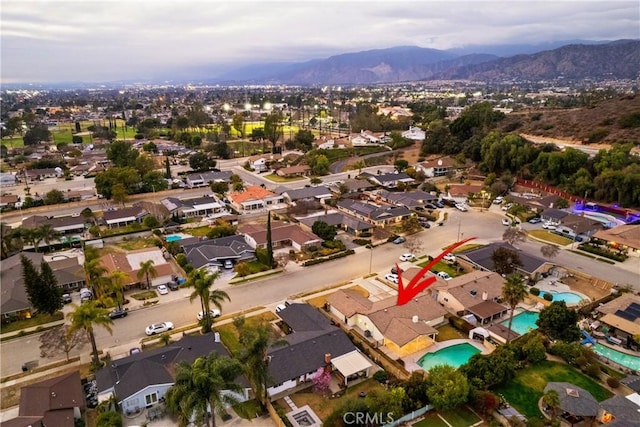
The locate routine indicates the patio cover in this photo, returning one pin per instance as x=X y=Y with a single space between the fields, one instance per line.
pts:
x=350 y=363
x=618 y=322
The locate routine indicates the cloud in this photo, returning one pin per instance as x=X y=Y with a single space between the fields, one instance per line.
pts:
x=97 y=40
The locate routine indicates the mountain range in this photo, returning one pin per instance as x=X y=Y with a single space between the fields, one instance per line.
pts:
x=613 y=60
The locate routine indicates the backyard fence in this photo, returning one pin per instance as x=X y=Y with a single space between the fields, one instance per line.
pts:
x=411 y=416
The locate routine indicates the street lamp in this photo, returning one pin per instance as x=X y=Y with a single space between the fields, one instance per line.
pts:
x=370 y=247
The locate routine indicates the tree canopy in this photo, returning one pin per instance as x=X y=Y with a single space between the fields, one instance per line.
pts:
x=559 y=322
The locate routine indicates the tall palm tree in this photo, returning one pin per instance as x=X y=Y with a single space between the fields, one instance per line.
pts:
x=256 y=341
x=48 y=233
x=116 y=283
x=93 y=270
x=147 y=270
x=202 y=281
x=85 y=316
x=513 y=292
x=200 y=387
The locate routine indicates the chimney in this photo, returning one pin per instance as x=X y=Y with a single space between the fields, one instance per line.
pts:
x=485 y=295
x=327 y=358
x=415 y=318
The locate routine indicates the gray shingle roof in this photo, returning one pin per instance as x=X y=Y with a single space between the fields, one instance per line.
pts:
x=622 y=408
x=581 y=404
x=482 y=257
x=307 y=193
x=207 y=251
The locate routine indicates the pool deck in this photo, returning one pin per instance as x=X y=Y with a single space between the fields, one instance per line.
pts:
x=552 y=285
x=411 y=360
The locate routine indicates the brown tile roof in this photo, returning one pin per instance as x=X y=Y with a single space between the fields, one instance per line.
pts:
x=293 y=170
x=118 y=262
x=250 y=193
x=280 y=231
x=486 y=309
x=468 y=289
x=628 y=235
x=53 y=398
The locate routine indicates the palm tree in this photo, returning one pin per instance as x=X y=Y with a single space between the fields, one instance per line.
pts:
x=256 y=341
x=30 y=236
x=360 y=164
x=93 y=270
x=147 y=270
x=200 y=387
x=552 y=400
x=117 y=280
x=202 y=282
x=513 y=292
x=47 y=233
x=85 y=316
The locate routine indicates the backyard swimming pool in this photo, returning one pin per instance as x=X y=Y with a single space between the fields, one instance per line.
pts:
x=523 y=322
x=454 y=355
x=568 y=297
x=623 y=359
x=173 y=238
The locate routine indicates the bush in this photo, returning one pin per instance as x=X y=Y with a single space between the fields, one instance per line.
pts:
x=381 y=376
x=593 y=370
x=602 y=252
x=547 y=296
x=534 y=291
x=329 y=258
x=181 y=259
x=613 y=382
x=362 y=242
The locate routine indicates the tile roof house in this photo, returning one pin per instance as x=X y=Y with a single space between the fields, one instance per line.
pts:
x=460 y=193
x=377 y=215
x=141 y=380
x=57 y=402
x=125 y=216
x=129 y=263
x=620 y=409
x=314 y=343
x=254 y=198
x=482 y=258
x=282 y=235
x=352 y=186
x=474 y=293
x=293 y=171
x=8 y=200
x=403 y=329
x=622 y=235
x=363 y=138
x=214 y=252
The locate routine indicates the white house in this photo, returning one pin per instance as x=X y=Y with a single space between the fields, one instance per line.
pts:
x=414 y=133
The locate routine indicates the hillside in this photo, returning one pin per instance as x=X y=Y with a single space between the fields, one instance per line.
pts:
x=603 y=123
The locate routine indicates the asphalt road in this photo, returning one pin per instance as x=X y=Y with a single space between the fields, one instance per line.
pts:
x=486 y=226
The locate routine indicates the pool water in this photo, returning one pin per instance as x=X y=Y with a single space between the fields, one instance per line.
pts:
x=631 y=362
x=455 y=355
x=523 y=322
x=568 y=297
x=173 y=238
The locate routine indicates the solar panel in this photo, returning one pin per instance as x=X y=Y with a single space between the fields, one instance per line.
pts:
x=625 y=315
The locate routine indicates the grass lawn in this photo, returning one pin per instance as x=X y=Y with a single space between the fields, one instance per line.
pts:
x=39 y=319
x=460 y=417
x=132 y=245
x=550 y=237
x=276 y=178
x=464 y=248
x=441 y=266
x=323 y=406
x=524 y=391
x=431 y=420
x=248 y=410
x=230 y=334
x=448 y=332
x=141 y=296
x=198 y=231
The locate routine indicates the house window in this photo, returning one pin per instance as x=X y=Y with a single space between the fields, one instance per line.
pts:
x=150 y=399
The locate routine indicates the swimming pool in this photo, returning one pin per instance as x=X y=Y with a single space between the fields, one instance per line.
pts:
x=631 y=362
x=568 y=297
x=523 y=322
x=454 y=355
x=173 y=238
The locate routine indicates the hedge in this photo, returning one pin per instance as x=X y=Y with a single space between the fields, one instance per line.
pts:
x=548 y=297
x=329 y=258
x=362 y=242
x=534 y=291
x=602 y=252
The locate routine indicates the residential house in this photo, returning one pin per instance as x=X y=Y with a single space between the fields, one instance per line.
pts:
x=621 y=316
x=263 y=162
x=58 y=402
x=403 y=329
x=620 y=410
x=576 y=226
x=141 y=380
x=414 y=133
x=553 y=216
x=124 y=216
x=255 y=198
x=436 y=167
x=340 y=220
x=409 y=199
x=460 y=193
x=79 y=195
x=14 y=302
x=377 y=215
x=9 y=201
x=64 y=224
x=203 y=179
x=623 y=237
x=389 y=180
x=313 y=344
x=8 y=179
x=282 y=235
x=213 y=253
x=69 y=273
x=32 y=175
x=209 y=206
x=294 y=171
x=363 y=138
x=319 y=193
x=575 y=403
x=481 y=258
x=325 y=143
x=477 y=293
x=352 y=186
x=395 y=112
x=129 y=263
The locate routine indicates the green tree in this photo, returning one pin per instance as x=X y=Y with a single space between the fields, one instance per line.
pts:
x=513 y=235
x=85 y=317
x=505 y=260
x=552 y=400
x=122 y=154
x=47 y=233
x=513 y=293
x=401 y=165
x=50 y=293
x=238 y=124
x=559 y=322
x=447 y=387
x=202 y=281
x=117 y=281
x=324 y=230
x=37 y=134
x=549 y=251
x=93 y=270
x=31 y=280
x=127 y=177
x=202 y=385
x=273 y=128
x=201 y=162
x=119 y=194
x=109 y=419
x=148 y=271
x=167 y=168
x=484 y=371
x=54 y=197
x=219 y=187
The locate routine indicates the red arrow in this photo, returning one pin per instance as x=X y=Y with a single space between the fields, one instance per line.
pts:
x=405 y=294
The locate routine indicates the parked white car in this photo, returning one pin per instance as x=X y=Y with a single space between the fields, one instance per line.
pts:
x=506 y=222
x=407 y=257
x=461 y=207
x=498 y=200
x=158 y=328
x=449 y=257
x=393 y=278
x=213 y=313
x=549 y=226
x=162 y=289
x=443 y=275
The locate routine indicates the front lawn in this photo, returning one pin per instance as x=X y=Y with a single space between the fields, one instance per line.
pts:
x=524 y=391
x=229 y=334
x=38 y=319
x=441 y=266
x=550 y=237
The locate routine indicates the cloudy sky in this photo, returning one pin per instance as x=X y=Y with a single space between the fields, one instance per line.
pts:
x=94 y=41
